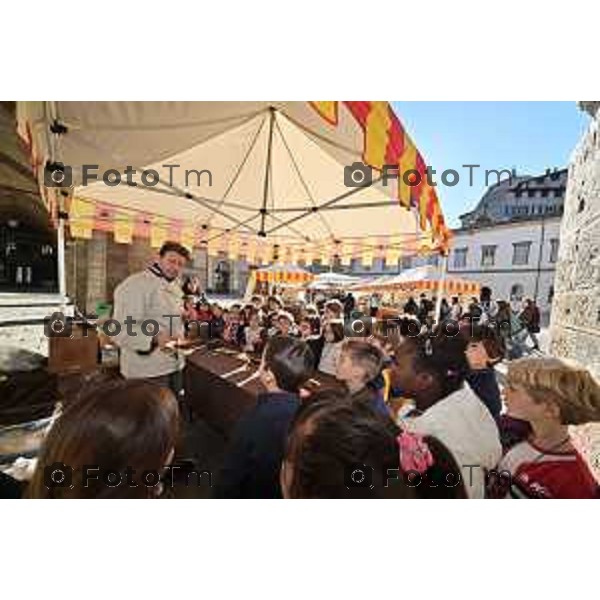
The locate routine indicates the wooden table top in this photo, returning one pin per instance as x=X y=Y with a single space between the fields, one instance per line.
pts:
x=219 y=390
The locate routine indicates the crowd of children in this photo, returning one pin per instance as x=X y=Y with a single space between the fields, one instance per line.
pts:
x=415 y=416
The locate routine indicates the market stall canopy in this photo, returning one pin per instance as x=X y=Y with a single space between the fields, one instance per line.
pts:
x=265 y=180
x=371 y=284
x=325 y=281
x=283 y=274
x=277 y=275
x=429 y=278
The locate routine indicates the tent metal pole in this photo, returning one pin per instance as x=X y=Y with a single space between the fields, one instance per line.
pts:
x=263 y=212
x=239 y=171
x=62 y=279
x=441 y=288
x=326 y=204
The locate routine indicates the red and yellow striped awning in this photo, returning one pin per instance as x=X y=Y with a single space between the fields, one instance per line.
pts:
x=387 y=143
x=450 y=286
x=283 y=274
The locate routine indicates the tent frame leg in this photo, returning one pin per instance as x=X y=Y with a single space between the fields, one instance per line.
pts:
x=441 y=288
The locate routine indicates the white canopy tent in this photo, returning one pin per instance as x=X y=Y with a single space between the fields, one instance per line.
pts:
x=331 y=280
x=268 y=179
x=429 y=277
x=371 y=284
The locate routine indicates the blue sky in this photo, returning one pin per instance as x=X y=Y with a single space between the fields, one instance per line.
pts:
x=529 y=136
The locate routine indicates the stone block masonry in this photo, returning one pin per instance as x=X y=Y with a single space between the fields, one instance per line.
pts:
x=575 y=321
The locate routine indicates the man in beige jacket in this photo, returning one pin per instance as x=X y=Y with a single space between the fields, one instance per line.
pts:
x=148 y=307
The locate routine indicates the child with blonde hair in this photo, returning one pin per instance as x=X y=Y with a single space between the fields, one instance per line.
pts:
x=550 y=394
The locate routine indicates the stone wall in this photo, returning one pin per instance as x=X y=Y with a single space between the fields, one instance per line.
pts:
x=139 y=255
x=575 y=324
x=96 y=270
x=95 y=267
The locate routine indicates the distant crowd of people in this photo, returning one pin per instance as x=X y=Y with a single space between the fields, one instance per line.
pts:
x=516 y=321
x=412 y=415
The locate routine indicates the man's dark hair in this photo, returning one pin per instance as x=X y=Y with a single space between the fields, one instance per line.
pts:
x=485 y=294
x=174 y=247
x=276 y=300
x=291 y=361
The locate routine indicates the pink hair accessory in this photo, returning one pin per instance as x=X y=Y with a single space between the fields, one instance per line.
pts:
x=415 y=454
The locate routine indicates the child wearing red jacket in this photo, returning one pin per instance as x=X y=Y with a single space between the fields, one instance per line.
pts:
x=550 y=394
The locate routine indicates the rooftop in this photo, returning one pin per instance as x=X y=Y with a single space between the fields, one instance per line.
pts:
x=519 y=198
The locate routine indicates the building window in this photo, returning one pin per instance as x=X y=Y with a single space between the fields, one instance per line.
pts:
x=460 y=258
x=488 y=256
x=521 y=253
x=354 y=264
x=553 y=250
x=406 y=263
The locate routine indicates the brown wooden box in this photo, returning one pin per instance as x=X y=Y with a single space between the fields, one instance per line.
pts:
x=78 y=353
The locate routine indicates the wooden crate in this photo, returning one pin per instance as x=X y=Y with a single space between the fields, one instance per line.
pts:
x=78 y=353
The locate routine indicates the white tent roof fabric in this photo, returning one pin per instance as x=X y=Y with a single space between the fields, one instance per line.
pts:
x=415 y=276
x=331 y=280
x=277 y=167
x=424 y=273
x=279 y=268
